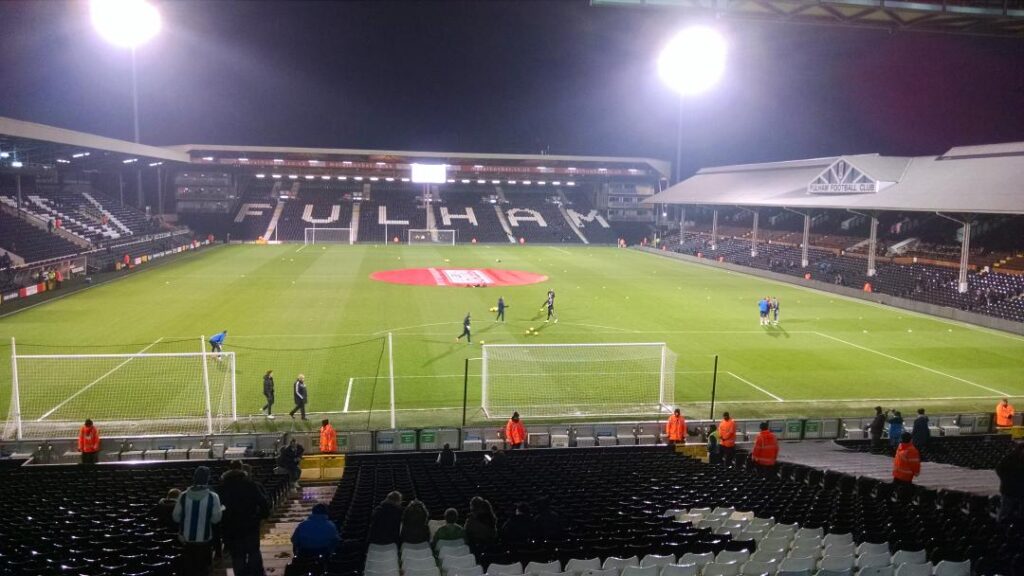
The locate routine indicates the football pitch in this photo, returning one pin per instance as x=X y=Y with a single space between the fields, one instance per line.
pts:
x=315 y=310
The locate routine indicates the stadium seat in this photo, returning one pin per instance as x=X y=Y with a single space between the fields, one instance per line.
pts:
x=873 y=560
x=764 y=555
x=418 y=563
x=431 y=571
x=838 y=563
x=908 y=569
x=716 y=569
x=450 y=562
x=886 y=570
x=700 y=560
x=841 y=550
x=680 y=570
x=656 y=560
x=538 y=567
x=601 y=572
x=872 y=548
x=452 y=550
x=909 y=557
x=620 y=563
x=473 y=570
x=641 y=571
x=778 y=543
x=727 y=556
x=797 y=565
x=511 y=569
x=823 y=572
x=755 y=568
x=579 y=565
x=949 y=568
x=832 y=539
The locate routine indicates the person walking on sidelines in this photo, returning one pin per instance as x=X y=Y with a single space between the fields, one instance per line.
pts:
x=301 y=396
x=466 y=329
x=328 y=437
x=89 y=442
x=501 y=310
x=727 y=439
x=875 y=429
x=515 y=432
x=268 y=393
x=196 y=511
x=906 y=465
x=1004 y=414
x=675 y=428
x=766 y=450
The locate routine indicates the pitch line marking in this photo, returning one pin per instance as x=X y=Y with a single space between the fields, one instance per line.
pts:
x=563 y=251
x=914 y=364
x=386 y=330
x=348 y=395
x=301 y=248
x=98 y=380
x=754 y=386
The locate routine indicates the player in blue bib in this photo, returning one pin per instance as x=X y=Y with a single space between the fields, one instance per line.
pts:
x=762 y=306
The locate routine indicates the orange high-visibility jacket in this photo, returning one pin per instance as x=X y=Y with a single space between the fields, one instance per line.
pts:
x=328 y=439
x=727 y=433
x=1004 y=415
x=515 y=432
x=88 y=439
x=675 y=428
x=907 y=462
x=766 y=449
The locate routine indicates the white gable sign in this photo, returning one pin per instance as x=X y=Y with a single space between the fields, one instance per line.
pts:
x=841 y=177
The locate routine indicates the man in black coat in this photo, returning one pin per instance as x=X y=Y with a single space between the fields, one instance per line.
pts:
x=300 y=395
x=876 y=428
x=245 y=507
x=386 y=521
x=268 y=393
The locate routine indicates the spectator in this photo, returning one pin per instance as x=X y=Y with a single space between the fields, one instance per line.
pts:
x=876 y=428
x=316 y=535
x=727 y=439
x=713 y=445
x=515 y=432
x=245 y=507
x=89 y=442
x=196 y=511
x=1004 y=414
x=519 y=528
x=1011 y=485
x=451 y=529
x=481 y=525
x=328 y=437
x=163 y=512
x=675 y=428
x=447 y=456
x=895 y=429
x=386 y=522
x=288 y=461
x=497 y=457
x=920 y=432
x=906 y=465
x=547 y=523
x=766 y=450
x=414 y=523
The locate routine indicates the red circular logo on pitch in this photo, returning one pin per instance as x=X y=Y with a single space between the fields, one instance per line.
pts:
x=480 y=277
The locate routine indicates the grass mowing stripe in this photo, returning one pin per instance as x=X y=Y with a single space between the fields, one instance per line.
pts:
x=97 y=381
x=909 y=363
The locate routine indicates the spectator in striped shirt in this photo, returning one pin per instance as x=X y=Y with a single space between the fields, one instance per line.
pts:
x=196 y=511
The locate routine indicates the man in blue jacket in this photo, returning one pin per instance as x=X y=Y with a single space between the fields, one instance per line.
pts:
x=217 y=342
x=316 y=535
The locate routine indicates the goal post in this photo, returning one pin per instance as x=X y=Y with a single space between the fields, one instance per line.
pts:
x=431 y=236
x=328 y=236
x=125 y=394
x=599 y=379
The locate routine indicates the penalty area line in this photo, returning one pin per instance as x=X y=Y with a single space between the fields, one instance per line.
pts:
x=348 y=395
x=97 y=381
x=754 y=386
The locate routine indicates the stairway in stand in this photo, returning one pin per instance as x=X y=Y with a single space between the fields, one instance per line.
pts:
x=276 y=544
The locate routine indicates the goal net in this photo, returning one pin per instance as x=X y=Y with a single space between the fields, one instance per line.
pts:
x=427 y=236
x=622 y=379
x=328 y=236
x=136 y=394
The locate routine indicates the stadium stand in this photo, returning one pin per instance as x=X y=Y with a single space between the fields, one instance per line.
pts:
x=637 y=506
x=487 y=228
x=255 y=211
x=30 y=242
x=399 y=207
x=551 y=228
x=99 y=519
x=972 y=452
x=323 y=199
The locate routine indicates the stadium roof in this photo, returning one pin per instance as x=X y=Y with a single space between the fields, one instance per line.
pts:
x=38 y=146
x=970 y=179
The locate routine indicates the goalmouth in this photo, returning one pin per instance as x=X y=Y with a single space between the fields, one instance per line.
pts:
x=431 y=236
x=557 y=380
x=328 y=236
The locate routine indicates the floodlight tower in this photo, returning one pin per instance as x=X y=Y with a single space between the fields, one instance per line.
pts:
x=127 y=24
x=691 y=63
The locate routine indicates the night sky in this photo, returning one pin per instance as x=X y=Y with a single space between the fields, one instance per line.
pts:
x=516 y=77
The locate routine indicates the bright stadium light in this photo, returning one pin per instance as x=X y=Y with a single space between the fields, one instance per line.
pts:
x=693 y=61
x=125 y=23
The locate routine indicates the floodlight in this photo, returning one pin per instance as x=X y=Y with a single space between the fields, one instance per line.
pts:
x=8 y=155
x=16 y=164
x=125 y=23
x=693 y=61
x=429 y=173
x=261 y=175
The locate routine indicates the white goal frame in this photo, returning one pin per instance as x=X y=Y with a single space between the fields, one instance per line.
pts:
x=21 y=427
x=665 y=402
x=310 y=236
x=433 y=234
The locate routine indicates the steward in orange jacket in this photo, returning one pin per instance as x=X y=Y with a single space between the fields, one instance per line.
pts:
x=328 y=437
x=89 y=443
x=766 y=448
x=1004 y=414
x=907 y=463
x=515 y=432
x=727 y=439
x=675 y=428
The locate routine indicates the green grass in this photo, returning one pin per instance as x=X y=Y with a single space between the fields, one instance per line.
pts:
x=316 y=311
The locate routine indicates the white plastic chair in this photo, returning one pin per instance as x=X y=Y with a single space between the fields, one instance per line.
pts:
x=872 y=548
x=418 y=563
x=908 y=569
x=442 y=544
x=909 y=557
x=700 y=560
x=723 y=511
x=806 y=541
x=394 y=572
x=755 y=535
x=763 y=555
x=680 y=570
x=780 y=529
x=810 y=551
x=760 y=523
x=710 y=523
x=601 y=572
x=823 y=572
x=947 y=568
x=381 y=565
x=841 y=550
x=886 y=570
x=446 y=551
x=513 y=569
x=542 y=567
x=641 y=571
x=834 y=538
x=755 y=568
x=738 y=556
x=716 y=569
x=416 y=546
x=838 y=563
x=703 y=512
x=620 y=563
x=807 y=532
x=473 y=570
x=408 y=553
x=774 y=543
x=656 y=560
x=797 y=565
x=873 y=560
x=450 y=562
x=432 y=571
x=379 y=548
x=578 y=565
